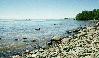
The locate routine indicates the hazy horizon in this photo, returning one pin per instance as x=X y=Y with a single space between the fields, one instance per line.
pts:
x=44 y=9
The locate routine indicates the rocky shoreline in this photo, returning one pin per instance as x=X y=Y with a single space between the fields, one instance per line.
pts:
x=83 y=44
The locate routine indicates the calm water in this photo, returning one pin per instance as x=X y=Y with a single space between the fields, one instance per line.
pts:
x=19 y=29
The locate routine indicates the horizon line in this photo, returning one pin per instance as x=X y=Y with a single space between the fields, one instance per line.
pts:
x=34 y=18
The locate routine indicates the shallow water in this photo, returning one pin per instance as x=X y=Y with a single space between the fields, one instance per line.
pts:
x=19 y=29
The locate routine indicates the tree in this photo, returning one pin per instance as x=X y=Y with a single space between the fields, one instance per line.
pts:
x=88 y=15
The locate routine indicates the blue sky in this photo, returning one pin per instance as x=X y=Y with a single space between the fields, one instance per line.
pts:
x=44 y=9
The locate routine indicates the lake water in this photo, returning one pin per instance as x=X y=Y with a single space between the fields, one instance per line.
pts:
x=19 y=29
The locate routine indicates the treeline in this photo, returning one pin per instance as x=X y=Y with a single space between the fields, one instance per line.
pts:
x=88 y=15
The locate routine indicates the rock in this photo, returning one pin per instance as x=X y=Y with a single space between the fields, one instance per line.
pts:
x=24 y=39
x=45 y=46
x=69 y=32
x=16 y=56
x=88 y=56
x=49 y=43
x=33 y=55
x=84 y=30
x=16 y=39
x=33 y=40
x=97 y=28
x=62 y=56
x=88 y=41
x=65 y=40
x=58 y=56
x=52 y=49
x=41 y=50
x=97 y=24
x=0 y=38
x=56 y=38
x=70 y=36
x=37 y=29
x=75 y=30
x=27 y=51
x=74 y=19
x=54 y=24
x=92 y=27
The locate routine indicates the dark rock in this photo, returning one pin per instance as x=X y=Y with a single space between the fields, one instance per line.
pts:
x=54 y=24
x=69 y=32
x=65 y=48
x=75 y=30
x=84 y=27
x=33 y=40
x=49 y=43
x=0 y=38
x=24 y=39
x=16 y=39
x=37 y=29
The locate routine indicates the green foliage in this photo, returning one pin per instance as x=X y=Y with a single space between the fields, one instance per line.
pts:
x=88 y=15
x=65 y=18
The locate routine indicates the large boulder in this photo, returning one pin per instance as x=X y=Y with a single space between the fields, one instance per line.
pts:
x=57 y=38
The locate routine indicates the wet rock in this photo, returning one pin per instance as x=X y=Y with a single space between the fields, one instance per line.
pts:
x=24 y=39
x=54 y=24
x=69 y=32
x=0 y=38
x=37 y=29
x=16 y=39
x=75 y=30
x=33 y=40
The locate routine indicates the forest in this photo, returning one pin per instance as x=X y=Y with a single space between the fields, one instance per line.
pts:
x=88 y=15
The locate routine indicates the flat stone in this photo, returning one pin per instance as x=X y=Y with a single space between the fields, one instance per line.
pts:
x=56 y=38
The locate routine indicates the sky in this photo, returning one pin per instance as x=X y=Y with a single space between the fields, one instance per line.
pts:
x=44 y=9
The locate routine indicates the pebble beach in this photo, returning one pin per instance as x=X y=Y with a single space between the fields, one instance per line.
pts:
x=83 y=44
